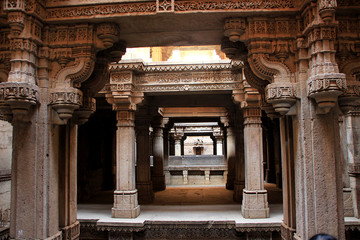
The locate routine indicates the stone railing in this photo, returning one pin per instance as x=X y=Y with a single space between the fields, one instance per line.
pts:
x=4 y=218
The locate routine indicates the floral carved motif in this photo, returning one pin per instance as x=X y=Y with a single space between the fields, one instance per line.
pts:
x=165 y=5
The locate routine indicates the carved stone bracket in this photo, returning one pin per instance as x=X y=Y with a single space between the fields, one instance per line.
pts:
x=327 y=9
x=325 y=89
x=65 y=101
x=281 y=96
x=234 y=28
x=18 y=97
x=108 y=33
x=83 y=113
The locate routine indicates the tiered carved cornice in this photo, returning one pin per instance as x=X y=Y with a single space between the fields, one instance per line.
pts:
x=325 y=82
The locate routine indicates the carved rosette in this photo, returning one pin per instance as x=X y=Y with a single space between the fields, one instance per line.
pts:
x=18 y=97
x=327 y=9
x=83 y=113
x=65 y=101
x=326 y=88
x=281 y=96
x=234 y=28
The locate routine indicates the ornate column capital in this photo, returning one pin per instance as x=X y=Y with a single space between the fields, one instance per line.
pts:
x=325 y=89
x=65 y=101
x=17 y=98
x=327 y=9
x=234 y=28
x=87 y=108
x=281 y=96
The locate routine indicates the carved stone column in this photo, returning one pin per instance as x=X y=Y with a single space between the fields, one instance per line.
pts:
x=158 y=176
x=350 y=105
x=143 y=174
x=219 y=136
x=125 y=194
x=178 y=134
x=255 y=203
x=68 y=181
x=230 y=156
x=318 y=167
x=239 y=182
x=288 y=225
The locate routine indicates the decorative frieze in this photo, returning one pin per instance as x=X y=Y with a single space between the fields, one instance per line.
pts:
x=118 y=9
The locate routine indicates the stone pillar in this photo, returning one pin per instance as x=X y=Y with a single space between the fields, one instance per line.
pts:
x=288 y=225
x=230 y=156
x=352 y=138
x=318 y=167
x=158 y=177
x=68 y=181
x=34 y=188
x=143 y=174
x=239 y=182
x=178 y=134
x=255 y=204
x=219 y=136
x=125 y=195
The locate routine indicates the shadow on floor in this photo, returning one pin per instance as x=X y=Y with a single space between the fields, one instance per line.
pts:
x=201 y=195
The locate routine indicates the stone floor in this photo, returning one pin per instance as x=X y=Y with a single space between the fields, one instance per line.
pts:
x=193 y=211
x=183 y=204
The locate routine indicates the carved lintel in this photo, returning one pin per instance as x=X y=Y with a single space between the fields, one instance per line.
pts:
x=234 y=28
x=325 y=89
x=65 y=101
x=281 y=96
x=19 y=97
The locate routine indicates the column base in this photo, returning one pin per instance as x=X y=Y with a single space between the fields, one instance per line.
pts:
x=238 y=191
x=158 y=182
x=255 y=204
x=125 y=204
x=145 y=192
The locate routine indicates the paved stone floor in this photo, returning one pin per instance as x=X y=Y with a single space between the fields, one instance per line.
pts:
x=190 y=204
